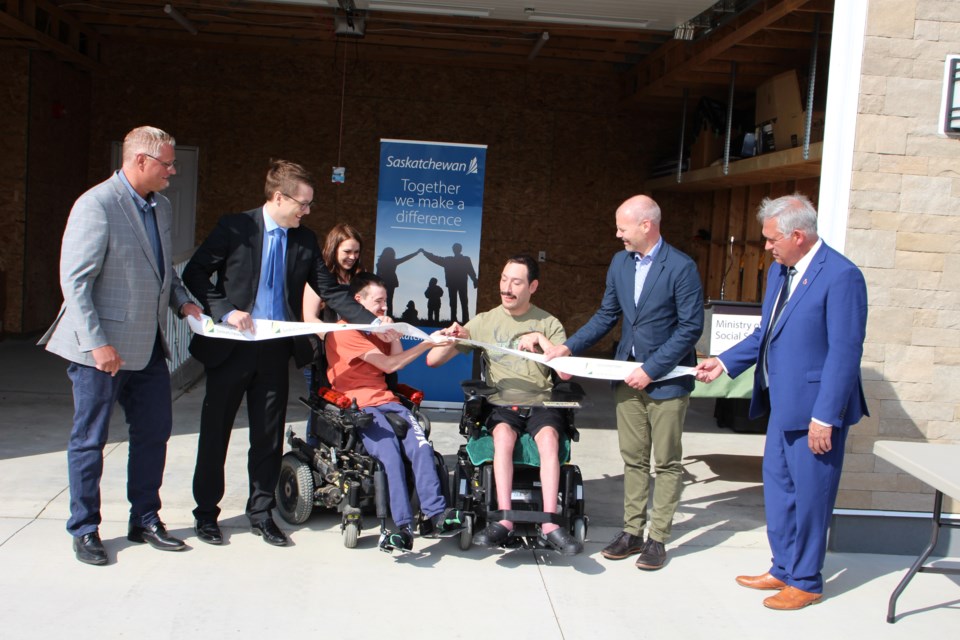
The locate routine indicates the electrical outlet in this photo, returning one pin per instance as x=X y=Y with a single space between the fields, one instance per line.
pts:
x=542 y=256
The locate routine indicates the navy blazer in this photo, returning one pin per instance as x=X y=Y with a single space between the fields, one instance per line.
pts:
x=662 y=329
x=813 y=358
x=233 y=251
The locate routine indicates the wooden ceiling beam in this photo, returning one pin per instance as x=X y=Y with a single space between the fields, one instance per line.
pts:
x=650 y=74
x=53 y=30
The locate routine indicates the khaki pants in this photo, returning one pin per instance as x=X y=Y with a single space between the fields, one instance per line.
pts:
x=644 y=424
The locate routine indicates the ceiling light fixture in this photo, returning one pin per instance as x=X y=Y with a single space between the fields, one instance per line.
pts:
x=684 y=31
x=430 y=9
x=180 y=19
x=593 y=21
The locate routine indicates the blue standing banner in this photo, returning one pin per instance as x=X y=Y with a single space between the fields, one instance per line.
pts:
x=429 y=213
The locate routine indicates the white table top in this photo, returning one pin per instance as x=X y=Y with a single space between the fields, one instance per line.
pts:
x=936 y=464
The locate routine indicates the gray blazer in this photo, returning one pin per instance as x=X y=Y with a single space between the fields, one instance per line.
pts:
x=112 y=292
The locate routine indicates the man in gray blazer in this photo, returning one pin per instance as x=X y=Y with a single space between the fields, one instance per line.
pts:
x=656 y=290
x=117 y=278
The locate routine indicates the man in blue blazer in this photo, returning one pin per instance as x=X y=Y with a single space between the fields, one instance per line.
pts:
x=657 y=291
x=118 y=282
x=807 y=350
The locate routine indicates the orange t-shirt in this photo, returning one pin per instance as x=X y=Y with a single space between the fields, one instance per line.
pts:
x=350 y=375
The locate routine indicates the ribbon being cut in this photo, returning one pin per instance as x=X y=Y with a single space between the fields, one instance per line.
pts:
x=270 y=329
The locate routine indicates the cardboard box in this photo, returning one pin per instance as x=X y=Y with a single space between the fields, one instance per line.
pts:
x=778 y=97
x=706 y=149
x=788 y=131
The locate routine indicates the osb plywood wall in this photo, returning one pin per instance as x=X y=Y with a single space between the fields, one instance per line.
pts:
x=561 y=155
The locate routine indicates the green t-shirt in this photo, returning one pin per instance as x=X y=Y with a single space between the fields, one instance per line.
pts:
x=518 y=380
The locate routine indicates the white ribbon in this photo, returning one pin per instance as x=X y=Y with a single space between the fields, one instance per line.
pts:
x=596 y=368
x=272 y=329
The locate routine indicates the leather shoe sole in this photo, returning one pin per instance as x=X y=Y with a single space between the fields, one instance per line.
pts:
x=766 y=582
x=208 y=532
x=791 y=599
x=270 y=533
x=89 y=550
x=157 y=537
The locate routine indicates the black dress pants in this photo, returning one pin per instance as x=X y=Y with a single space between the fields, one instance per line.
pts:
x=259 y=371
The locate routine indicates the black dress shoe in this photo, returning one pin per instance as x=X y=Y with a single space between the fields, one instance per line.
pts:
x=89 y=549
x=156 y=534
x=208 y=531
x=271 y=532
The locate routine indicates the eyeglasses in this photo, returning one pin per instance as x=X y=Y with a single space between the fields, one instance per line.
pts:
x=303 y=205
x=167 y=165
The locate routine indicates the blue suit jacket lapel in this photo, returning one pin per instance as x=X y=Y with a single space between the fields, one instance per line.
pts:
x=627 y=304
x=653 y=275
x=796 y=298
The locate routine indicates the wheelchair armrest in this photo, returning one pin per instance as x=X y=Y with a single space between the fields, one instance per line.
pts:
x=477 y=388
x=409 y=397
x=354 y=418
x=567 y=391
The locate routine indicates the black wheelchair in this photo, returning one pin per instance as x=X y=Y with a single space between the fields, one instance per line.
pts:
x=338 y=473
x=474 y=487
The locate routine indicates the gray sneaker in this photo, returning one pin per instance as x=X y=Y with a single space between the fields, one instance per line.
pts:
x=623 y=546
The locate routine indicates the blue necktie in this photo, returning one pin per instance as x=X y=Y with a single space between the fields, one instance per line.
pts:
x=774 y=317
x=275 y=274
x=153 y=235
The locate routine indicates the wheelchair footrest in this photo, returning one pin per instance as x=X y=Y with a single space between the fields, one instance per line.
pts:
x=524 y=517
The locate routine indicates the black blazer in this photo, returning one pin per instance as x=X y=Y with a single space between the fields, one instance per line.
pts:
x=233 y=252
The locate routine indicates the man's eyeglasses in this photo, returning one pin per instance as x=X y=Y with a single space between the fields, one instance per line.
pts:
x=303 y=205
x=167 y=165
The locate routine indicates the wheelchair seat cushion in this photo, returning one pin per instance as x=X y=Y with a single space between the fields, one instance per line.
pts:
x=480 y=450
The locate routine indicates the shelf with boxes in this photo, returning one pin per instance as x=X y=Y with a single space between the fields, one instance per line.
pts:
x=768 y=167
x=777 y=147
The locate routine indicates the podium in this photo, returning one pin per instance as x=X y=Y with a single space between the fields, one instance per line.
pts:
x=727 y=322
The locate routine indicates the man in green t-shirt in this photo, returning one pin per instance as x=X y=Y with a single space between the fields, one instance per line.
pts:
x=520 y=382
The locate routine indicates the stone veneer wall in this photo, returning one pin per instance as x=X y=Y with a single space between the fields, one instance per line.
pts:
x=904 y=232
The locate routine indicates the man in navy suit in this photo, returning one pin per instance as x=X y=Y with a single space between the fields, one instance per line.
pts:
x=807 y=351
x=657 y=291
x=262 y=259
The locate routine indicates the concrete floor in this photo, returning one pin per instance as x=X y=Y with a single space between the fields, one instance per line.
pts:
x=317 y=586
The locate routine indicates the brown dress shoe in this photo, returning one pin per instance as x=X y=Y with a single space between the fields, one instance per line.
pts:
x=764 y=582
x=791 y=598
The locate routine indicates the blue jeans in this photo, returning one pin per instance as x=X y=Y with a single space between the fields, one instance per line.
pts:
x=144 y=396
x=382 y=443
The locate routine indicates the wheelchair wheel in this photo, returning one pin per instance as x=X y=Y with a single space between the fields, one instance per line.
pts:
x=351 y=532
x=580 y=530
x=294 y=490
x=466 y=536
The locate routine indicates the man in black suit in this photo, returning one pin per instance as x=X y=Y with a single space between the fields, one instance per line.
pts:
x=262 y=259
